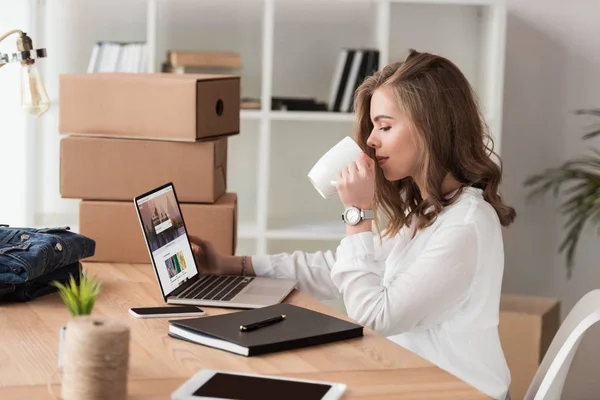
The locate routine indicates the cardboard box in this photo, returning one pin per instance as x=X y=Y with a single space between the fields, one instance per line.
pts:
x=527 y=326
x=115 y=227
x=120 y=169
x=184 y=107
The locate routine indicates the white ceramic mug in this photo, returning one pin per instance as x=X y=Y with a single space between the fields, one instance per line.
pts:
x=325 y=172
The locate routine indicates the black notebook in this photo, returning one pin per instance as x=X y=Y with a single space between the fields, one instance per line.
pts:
x=300 y=328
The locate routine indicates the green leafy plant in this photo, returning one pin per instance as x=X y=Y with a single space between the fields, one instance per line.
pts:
x=79 y=300
x=579 y=180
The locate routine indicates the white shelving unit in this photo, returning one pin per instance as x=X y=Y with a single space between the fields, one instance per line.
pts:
x=290 y=48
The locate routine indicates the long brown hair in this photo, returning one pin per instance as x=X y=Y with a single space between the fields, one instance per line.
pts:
x=452 y=137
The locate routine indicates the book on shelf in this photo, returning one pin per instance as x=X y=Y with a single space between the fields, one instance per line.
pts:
x=286 y=104
x=296 y=104
x=166 y=67
x=353 y=66
x=202 y=62
x=110 y=56
x=178 y=58
x=248 y=103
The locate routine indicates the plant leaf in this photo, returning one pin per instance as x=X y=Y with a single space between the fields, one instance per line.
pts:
x=579 y=179
x=583 y=202
x=591 y=111
x=79 y=299
x=591 y=134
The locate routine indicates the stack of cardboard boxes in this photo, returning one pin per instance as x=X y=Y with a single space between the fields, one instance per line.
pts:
x=130 y=133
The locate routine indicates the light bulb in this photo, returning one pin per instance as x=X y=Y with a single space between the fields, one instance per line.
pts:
x=34 y=99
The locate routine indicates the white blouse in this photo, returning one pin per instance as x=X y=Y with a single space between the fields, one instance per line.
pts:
x=437 y=294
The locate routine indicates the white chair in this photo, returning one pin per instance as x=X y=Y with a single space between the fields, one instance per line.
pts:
x=548 y=382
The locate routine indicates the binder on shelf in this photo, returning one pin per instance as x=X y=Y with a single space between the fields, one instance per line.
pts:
x=353 y=78
x=109 y=56
x=343 y=80
x=300 y=328
x=352 y=67
x=337 y=79
x=296 y=104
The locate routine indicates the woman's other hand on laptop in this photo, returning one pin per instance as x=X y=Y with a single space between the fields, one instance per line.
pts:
x=210 y=262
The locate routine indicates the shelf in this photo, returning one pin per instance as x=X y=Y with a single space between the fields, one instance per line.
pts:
x=269 y=159
x=311 y=116
x=298 y=116
x=250 y=114
x=301 y=234
x=332 y=231
x=450 y=2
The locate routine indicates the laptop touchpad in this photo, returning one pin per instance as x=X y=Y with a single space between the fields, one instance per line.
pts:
x=262 y=290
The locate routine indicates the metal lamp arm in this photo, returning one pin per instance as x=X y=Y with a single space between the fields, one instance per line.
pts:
x=26 y=54
x=7 y=34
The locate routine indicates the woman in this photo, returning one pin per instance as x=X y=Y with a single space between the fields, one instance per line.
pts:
x=431 y=281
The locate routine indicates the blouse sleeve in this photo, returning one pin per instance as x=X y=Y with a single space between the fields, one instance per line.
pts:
x=424 y=293
x=312 y=270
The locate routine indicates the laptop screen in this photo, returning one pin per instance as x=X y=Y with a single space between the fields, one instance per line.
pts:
x=166 y=238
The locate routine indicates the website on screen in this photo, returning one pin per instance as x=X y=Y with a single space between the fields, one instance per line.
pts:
x=165 y=232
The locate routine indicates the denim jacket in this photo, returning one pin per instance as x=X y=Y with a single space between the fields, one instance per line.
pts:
x=27 y=253
x=40 y=286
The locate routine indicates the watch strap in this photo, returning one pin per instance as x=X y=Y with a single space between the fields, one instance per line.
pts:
x=367 y=214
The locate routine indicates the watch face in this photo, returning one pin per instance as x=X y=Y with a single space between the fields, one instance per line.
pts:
x=352 y=215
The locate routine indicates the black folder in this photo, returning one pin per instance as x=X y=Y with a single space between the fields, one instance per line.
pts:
x=300 y=328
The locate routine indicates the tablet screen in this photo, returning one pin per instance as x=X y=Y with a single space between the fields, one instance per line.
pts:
x=240 y=387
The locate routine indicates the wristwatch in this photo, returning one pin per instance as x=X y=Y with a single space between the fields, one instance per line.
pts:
x=353 y=215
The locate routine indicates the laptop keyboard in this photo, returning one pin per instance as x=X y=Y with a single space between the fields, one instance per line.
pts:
x=217 y=288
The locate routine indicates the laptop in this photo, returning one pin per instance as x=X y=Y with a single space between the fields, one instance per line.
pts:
x=178 y=277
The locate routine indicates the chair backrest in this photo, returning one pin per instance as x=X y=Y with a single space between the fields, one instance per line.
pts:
x=550 y=377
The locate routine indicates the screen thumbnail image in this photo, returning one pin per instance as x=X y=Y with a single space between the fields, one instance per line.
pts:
x=181 y=260
x=162 y=220
x=170 y=267
x=175 y=264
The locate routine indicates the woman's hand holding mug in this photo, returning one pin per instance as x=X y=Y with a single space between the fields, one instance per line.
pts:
x=356 y=183
x=325 y=172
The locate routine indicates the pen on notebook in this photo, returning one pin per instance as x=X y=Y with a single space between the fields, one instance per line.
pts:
x=262 y=324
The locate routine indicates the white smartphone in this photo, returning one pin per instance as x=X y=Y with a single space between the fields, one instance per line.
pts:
x=210 y=384
x=166 y=311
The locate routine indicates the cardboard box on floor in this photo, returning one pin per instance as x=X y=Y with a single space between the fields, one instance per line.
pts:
x=118 y=234
x=120 y=169
x=527 y=326
x=184 y=107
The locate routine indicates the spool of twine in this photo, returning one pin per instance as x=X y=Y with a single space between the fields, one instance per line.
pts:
x=96 y=359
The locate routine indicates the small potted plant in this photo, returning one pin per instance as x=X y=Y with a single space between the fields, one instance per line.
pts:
x=79 y=300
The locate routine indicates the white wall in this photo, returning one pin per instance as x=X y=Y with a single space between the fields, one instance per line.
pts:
x=72 y=27
x=553 y=68
x=16 y=131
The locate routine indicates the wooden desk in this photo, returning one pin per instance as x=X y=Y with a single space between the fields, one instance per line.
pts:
x=372 y=366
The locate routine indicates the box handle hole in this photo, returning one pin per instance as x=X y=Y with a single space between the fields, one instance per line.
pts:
x=219 y=107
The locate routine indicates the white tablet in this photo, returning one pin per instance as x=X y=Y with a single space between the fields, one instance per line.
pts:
x=212 y=385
